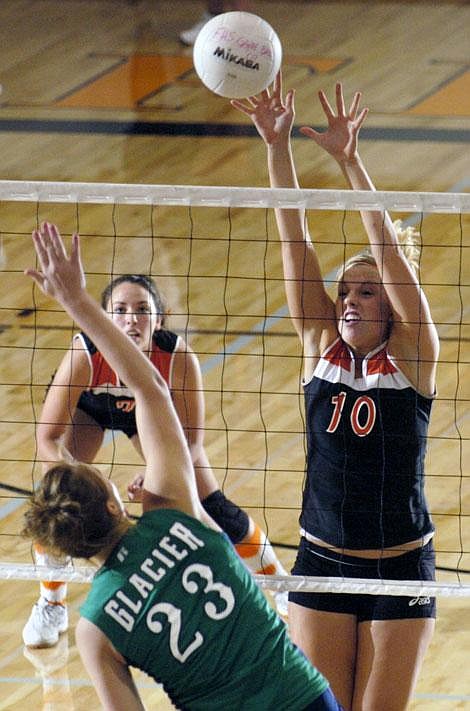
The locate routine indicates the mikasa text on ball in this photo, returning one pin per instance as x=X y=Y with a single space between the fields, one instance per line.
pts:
x=237 y=54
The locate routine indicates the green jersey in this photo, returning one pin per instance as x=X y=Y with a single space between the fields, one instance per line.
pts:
x=177 y=602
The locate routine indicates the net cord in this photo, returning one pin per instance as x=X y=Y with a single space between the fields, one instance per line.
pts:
x=223 y=196
x=363 y=586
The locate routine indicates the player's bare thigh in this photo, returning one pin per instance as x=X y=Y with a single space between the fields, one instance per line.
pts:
x=83 y=438
x=328 y=639
x=390 y=654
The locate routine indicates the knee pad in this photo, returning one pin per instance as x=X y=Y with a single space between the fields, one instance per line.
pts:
x=230 y=517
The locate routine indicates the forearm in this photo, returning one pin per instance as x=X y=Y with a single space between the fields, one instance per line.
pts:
x=377 y=223
x=356 y=174
x=305 y=292
x=281 y=165
x=50 y=448
x=282 y=174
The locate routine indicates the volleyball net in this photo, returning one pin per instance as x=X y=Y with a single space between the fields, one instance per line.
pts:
x=215 y=255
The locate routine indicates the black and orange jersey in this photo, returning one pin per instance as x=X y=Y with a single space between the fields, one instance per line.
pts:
x=366 y=443
x=107 y=399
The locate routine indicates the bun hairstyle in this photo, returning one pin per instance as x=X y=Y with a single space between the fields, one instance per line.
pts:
x=68 y=513
x=142 y=280
x=408 y=238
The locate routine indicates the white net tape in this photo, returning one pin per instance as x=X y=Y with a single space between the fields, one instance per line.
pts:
x=412 y=588
x=204 y=196
x=363 y=586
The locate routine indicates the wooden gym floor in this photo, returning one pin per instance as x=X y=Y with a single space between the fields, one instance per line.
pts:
x=101 y=90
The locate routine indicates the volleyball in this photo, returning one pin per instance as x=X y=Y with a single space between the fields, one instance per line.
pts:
x=237 y=54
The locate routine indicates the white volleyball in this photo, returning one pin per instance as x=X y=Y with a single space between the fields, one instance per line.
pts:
x=237 y=54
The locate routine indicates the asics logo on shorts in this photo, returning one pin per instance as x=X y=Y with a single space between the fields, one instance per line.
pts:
x=424 y=600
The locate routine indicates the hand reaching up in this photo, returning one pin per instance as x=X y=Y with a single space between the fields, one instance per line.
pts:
x=61 y=276
x=272 y=115
x=340 y=138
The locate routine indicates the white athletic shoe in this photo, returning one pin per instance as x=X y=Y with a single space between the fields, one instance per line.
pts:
x=45 y=624
x=281 y=600
x=188 y=37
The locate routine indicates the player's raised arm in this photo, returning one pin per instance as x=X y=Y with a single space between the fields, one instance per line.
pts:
x=412 y=316
x=310 y=307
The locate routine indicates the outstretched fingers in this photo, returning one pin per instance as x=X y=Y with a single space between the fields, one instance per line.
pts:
x=310 y=132
x=75 y=249
x=271 y=92
x=340 y=109
x=51 y=247
x=240 y=106
x=289 y=100
x=329 y=113
x=40 y=246
x=269 y=96
x=361 y=118
x=76 y=259
x=358 y=120
x=55 y=240
x=43 y=259
x=340 y=100
x=37 y=277
x=45 y=244
x=277 y=86
x=354 y=105
x=249 y=105
x=59 y=275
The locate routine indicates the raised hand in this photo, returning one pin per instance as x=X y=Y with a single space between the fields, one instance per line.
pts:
x=272 y=116
x=340 y=138
x=61 y=276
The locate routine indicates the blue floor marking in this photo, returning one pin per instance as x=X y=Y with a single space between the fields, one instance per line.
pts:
x=192 y=130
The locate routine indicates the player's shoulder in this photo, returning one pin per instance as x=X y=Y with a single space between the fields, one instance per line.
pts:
x=165 y=340
x=83 y=342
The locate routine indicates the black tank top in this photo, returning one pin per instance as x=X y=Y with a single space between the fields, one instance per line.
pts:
x=366 y=443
